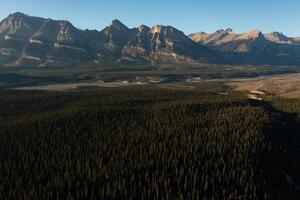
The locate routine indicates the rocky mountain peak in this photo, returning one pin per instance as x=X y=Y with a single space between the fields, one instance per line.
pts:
x=199 y=37
x=220 y=31
x=143 y=28
x=278 y=38
x=250 y=35
x=118 y=25
x=17 y=15
x=229 y=30
x=67 y=32
x=58 y=31
x=223 y=33
x=19 y=26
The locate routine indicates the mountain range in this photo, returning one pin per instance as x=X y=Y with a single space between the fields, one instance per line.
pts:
x=27 y=41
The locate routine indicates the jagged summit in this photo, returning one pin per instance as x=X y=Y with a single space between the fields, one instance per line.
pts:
x=144 y=27
x=18 y=14
x=19 y=26
x=250 y=35
x=220 y=31
x=118 y=24
x=229 y=30
x=279 y=38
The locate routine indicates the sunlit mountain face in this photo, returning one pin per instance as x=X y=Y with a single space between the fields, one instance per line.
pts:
x=39 y=42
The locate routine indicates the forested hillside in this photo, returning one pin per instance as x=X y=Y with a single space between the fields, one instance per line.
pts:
x=148 y=143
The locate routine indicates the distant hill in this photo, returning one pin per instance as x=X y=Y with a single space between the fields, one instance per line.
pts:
x=27 y=41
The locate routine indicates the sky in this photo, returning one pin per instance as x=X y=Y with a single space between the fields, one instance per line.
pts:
x=187 y=15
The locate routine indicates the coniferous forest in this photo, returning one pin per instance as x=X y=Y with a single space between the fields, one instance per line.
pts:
x=148 y=143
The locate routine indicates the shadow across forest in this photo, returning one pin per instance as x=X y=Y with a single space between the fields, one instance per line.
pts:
x=284 y=135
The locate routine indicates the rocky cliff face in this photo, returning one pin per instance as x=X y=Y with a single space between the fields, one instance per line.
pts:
x=165 y=44
x=32 y=41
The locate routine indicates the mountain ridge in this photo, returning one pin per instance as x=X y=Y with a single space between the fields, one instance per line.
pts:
x=47 y=42
x=40 y=42
x=252 y=47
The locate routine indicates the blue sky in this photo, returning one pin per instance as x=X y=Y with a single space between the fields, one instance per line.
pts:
x=186 y=15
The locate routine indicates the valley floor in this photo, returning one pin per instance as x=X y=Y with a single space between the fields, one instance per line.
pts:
x=72 y=86
x=277 y=85
x=284 y=85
